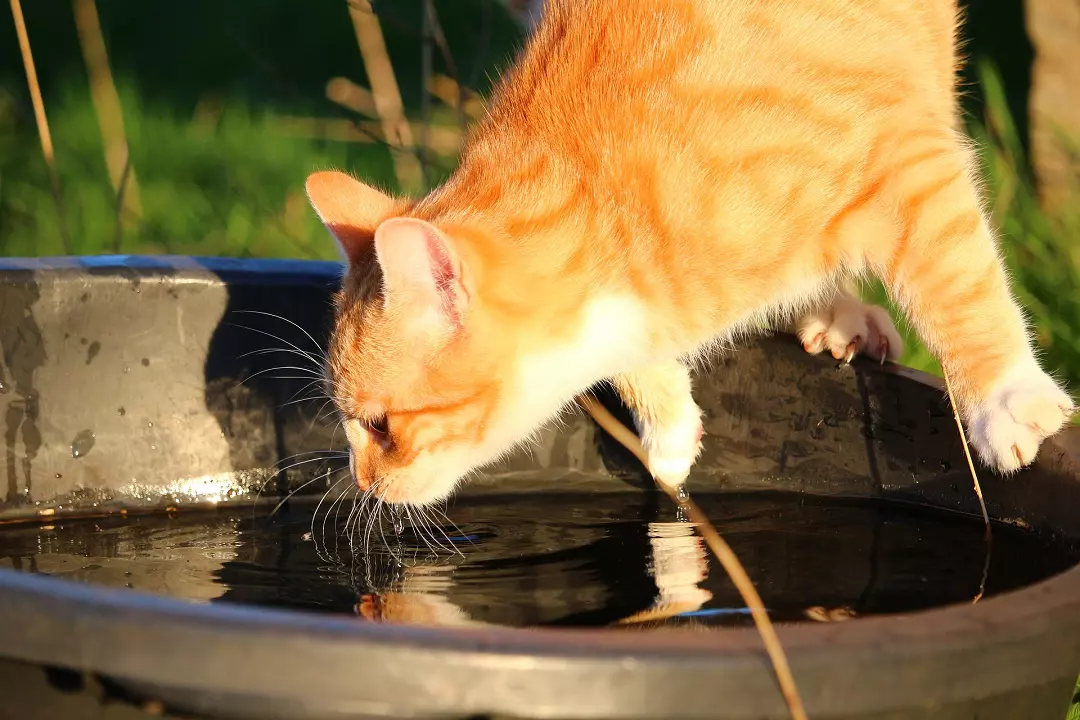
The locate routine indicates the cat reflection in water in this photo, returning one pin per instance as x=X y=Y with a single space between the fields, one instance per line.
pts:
x=419 y=598
x=652 y=181
x=678 y=563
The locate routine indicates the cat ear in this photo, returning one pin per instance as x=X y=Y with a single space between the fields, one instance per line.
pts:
x=350 y=210
x=418 y=263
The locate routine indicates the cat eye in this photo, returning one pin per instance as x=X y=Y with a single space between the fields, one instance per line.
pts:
x=379 y=425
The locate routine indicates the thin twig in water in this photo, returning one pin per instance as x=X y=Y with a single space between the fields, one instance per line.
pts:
x=723 y=553
x=975 y=480
x=967 y=450
x=39 y=115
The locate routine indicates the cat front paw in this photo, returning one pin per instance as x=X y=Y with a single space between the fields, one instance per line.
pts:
x=673 y=447
x=848 y=327
x=1026 y=407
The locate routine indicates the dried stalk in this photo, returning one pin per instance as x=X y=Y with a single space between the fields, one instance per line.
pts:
x=387 y=95
x=724 y=554
x=426 y=71
x=106 y=101
x=442 y=140
x=439 y=38
x=448 y=91
x=349 y=95
x=967 y=450
x=975 y=480
x=39 y=115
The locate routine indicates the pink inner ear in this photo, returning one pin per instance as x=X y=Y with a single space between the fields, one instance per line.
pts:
x=415 y=258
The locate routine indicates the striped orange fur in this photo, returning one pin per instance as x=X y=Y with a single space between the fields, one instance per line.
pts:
x=651 y=179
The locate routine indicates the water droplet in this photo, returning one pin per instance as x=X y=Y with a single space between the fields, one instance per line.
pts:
x=58 y=476
x=399 y=520
x=3 y=387
x=149 y=424
x=682 y=494
x=82 y=443
x=121 y=412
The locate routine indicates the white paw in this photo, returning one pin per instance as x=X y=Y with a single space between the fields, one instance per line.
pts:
x=848 y=327
x=1026 y=407
x=672 y=448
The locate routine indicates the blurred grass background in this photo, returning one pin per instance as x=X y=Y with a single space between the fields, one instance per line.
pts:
x=216 y=98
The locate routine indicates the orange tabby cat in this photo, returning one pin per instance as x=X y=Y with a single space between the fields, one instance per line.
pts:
x=652 y=179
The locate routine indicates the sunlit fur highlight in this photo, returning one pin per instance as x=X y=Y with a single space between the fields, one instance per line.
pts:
x=655 y=179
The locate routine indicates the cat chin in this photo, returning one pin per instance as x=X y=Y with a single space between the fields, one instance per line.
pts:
x=428 y=479
x=417 y=493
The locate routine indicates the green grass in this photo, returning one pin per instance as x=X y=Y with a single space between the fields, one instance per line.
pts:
x=232 y=187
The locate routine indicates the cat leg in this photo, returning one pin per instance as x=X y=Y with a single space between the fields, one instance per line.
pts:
x=946 y=273
x=667 y=418
x=846 y=326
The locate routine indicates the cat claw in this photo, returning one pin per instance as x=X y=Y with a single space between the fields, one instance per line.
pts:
x=852 y=348
x=849 y=327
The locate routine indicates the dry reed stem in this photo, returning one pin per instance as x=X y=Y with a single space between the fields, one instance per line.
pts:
x=349 y=95
x=441 y=140
x=39 y=115
x=967 y=451
x=450 y=93
x=387 y=95
x=106 y=101
x=439 y=38
x=723 y=552
x=975 y=480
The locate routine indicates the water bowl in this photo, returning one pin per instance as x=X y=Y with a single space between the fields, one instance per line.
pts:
x=178 y=537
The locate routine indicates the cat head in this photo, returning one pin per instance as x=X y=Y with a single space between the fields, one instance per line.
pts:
x=414 y=366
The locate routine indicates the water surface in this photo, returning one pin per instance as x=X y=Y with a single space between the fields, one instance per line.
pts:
x=532 y=560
